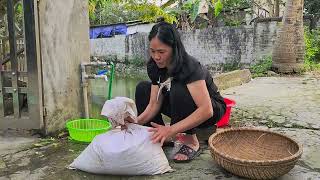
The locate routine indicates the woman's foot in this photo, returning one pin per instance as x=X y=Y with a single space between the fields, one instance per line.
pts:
x=190 y=141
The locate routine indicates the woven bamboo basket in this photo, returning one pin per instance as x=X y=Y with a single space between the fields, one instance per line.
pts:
x=253 y=153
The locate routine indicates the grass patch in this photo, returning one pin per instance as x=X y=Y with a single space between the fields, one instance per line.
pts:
x=261 y=67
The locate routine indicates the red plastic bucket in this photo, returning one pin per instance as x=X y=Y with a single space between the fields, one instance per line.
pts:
x=224 y=121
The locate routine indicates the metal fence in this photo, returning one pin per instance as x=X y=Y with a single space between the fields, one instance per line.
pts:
x=5 y=54
x=19 y=78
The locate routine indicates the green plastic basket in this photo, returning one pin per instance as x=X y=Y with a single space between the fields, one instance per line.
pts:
x=84 y=130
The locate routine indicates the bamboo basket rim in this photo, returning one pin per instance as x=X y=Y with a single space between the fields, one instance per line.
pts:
x=246 y=162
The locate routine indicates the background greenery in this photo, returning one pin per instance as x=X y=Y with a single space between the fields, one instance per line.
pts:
x=312 y=53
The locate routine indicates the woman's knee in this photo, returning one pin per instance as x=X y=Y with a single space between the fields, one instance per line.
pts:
x=219 y=109
x=143 y=87
x=142 y=94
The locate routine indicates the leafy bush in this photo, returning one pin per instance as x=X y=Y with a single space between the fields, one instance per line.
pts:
x=137 y=61
x=312 y=55
x=231 y=66
x=261 y=67
x=218 y=8
x=117 y=11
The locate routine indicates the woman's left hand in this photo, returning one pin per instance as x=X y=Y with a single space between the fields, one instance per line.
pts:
x=160 y=133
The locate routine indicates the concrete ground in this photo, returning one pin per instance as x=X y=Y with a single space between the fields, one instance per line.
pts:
x=289 y=105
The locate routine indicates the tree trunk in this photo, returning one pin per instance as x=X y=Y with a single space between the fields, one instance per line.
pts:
x=288 y=52
x=270 y=5
x=276 y=8
x=299 y=40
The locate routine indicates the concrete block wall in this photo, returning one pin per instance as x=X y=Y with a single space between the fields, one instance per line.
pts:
x=265 y=34
x=214 y=46
x=138 y=45
x=109 y=46
x=220 y=45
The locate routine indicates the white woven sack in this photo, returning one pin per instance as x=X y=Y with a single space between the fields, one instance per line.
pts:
x=123 y=152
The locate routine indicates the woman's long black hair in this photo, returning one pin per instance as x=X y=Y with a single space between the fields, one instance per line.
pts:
x=169 y=35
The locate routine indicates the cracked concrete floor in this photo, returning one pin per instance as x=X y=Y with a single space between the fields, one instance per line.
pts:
x=289 y=105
